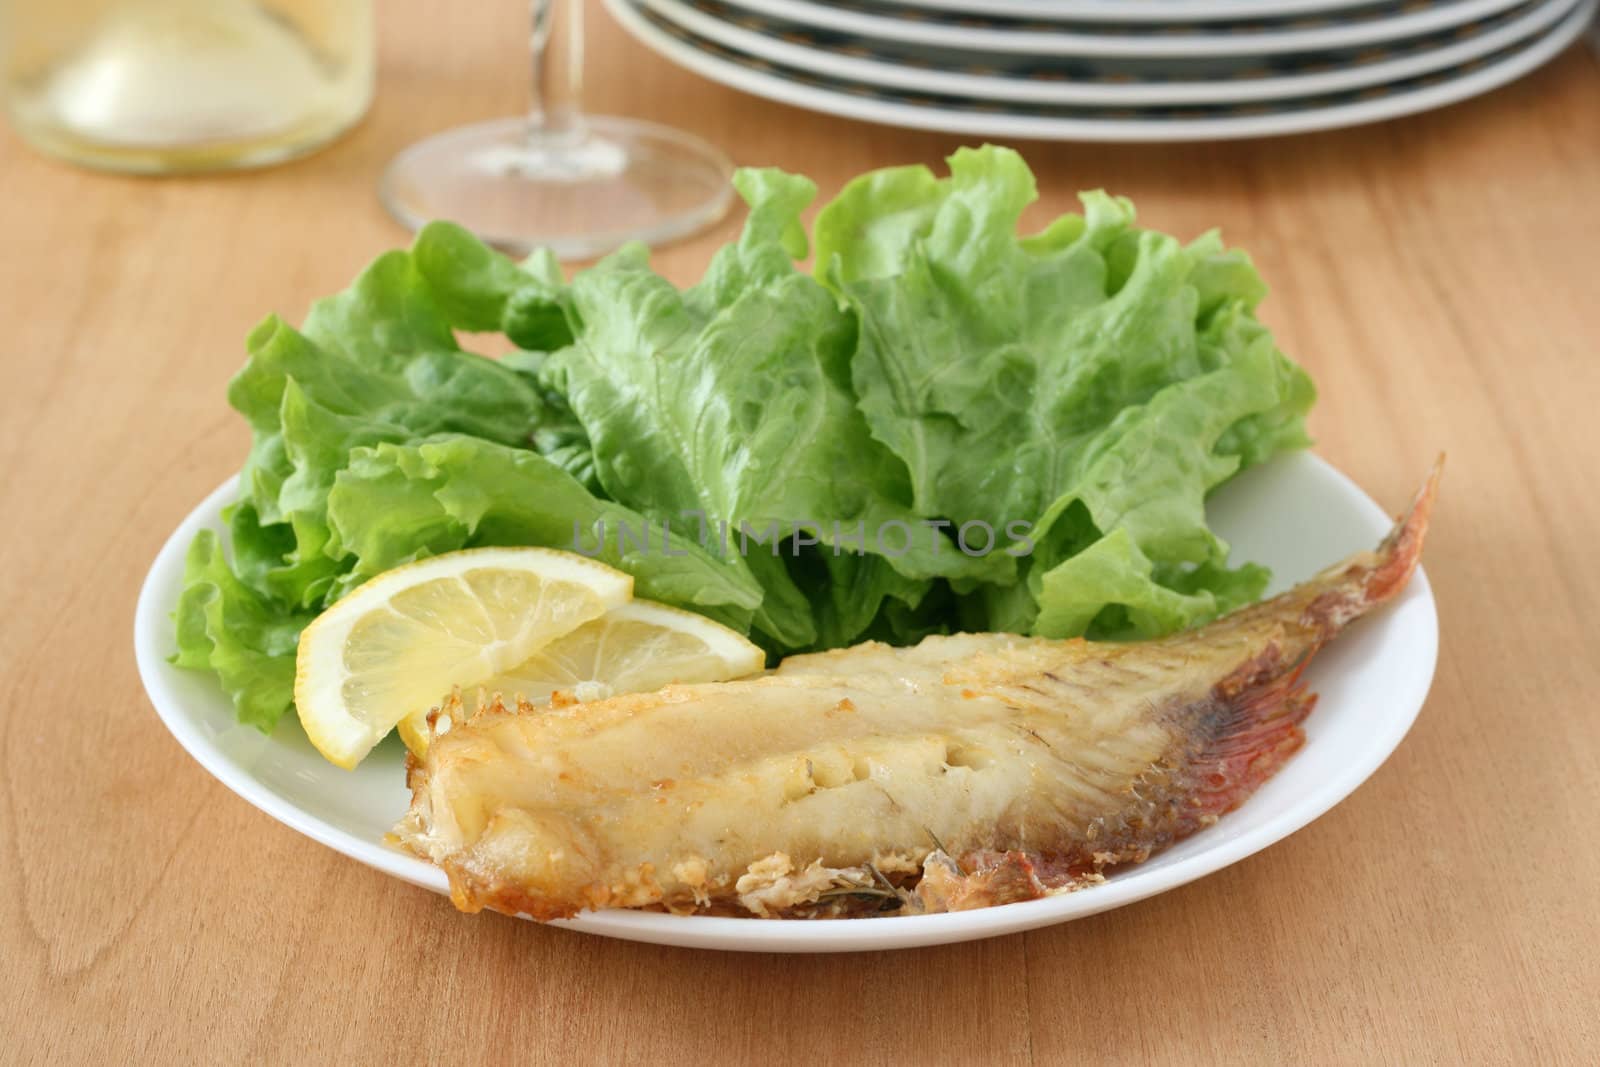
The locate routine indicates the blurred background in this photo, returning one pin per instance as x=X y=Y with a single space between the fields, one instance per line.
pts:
x=503 y=114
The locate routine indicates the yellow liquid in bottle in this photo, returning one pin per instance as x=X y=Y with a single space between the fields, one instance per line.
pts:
x=160 y=86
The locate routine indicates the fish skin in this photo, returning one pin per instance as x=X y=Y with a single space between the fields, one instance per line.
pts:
x=965 y=771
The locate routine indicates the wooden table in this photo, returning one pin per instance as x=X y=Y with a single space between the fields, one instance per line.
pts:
x=1440 y=278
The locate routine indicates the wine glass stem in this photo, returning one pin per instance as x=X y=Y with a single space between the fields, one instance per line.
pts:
x=556 y=41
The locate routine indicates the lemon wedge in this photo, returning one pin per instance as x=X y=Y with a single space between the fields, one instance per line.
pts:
x=636 y=648
x=390 y=647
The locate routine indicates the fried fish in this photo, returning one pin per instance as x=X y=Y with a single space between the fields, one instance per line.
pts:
x=968 y=770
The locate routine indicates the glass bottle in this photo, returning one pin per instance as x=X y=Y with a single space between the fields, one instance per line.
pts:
x=161 y=86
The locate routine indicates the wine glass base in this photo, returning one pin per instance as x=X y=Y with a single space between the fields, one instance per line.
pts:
x=580 y=193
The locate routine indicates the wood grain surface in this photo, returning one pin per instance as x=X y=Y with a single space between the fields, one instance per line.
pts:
x=1440 y=278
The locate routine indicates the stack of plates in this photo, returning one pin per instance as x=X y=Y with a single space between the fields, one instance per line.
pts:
x=1111 y=70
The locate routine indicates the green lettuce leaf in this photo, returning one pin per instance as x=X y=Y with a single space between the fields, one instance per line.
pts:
x=732 y=402
x=395 y=503
x=246 y=638
x=1092 y=380
x=378 y=363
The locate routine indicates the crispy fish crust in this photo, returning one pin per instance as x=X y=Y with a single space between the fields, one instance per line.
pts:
x=966 y=771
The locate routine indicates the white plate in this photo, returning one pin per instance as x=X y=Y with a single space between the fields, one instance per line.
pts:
x=1338 y=30
x=1104 y=83
x=1134 y=10
x=1024 y=122
x=1296 y=514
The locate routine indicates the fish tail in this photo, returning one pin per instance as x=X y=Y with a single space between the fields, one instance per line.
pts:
x=1400 y=551
x=1358 y=585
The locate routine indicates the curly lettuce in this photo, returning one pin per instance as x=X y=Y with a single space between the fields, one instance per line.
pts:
x=1076 y=392
x=1094 y=379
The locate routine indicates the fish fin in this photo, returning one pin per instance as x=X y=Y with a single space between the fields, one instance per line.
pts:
x=1252 y=723
x=1252 y=728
